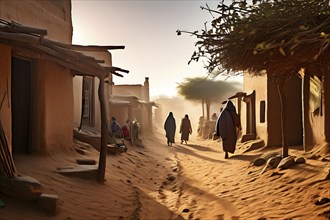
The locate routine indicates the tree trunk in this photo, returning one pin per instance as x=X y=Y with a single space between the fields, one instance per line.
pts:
x=203 y=108
x=104 y=133
x=208 y=105
x=280 y=89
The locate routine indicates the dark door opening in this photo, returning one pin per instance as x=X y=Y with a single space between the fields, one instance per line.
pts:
x=20 y=99
x=88 y=101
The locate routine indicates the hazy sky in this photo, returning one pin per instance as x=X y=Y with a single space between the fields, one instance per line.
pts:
x=147 y=29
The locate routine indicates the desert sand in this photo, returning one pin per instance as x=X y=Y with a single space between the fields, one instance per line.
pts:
x=184 y=181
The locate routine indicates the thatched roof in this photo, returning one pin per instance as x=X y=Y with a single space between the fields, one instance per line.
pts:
x=31 y=43
x=277 y=36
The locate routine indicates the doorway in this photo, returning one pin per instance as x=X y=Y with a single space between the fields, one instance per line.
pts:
x=21 y=101
x=88 y=102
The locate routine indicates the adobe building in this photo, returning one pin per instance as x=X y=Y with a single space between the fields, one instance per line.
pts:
x=42 y=75
x=132 y=102
x=306 y=107
x=37 y=92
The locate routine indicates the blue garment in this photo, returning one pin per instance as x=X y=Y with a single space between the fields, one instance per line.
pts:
x=115 y=127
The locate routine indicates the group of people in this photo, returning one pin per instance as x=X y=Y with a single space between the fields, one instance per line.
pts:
x=227 y=127
x=170 y=128
x=119 y=131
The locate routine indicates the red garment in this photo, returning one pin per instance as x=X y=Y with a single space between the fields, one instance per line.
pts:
x=125 y=131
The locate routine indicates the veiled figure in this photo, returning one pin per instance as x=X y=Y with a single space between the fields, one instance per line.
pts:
x=226 y=127
x=170 y=128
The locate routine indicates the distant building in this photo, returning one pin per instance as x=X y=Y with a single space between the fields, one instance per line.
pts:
x=132 y=102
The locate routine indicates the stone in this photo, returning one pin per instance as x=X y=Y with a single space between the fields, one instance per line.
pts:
x=80 y=171
x=256 y=144
x=286 y=163
x=21 y=187
x=49 y=202
x=274 y=161
x=259 y=161
x=300 y=160
x=322 y=201
x=86 y=161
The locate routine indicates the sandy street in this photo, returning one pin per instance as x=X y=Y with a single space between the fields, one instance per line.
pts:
x=191 y=181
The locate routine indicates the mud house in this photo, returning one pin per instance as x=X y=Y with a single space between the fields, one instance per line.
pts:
x=132 y=101
x=86 y=106
x=40 y=73
x=307 y=108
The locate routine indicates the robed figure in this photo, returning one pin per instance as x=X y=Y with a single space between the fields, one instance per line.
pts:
x=227 y=125
x=170 y=128
x=185 y=129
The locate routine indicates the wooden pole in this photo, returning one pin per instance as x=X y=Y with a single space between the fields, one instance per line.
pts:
x=104 y=133
x=82 y=103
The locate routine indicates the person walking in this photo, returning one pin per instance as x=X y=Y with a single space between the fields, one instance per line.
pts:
x=170 y=128
x=227 y=125
x=185 y=129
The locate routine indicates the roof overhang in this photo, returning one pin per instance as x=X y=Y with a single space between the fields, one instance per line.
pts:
x=31 y=43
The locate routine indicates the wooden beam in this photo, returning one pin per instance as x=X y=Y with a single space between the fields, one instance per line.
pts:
x=94 y=47
x=17 y=27
x=61 y=54
x=113 y=68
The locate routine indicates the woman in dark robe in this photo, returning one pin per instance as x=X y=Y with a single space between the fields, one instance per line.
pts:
x=226 y=127
x=170 y=128
x=185 y=129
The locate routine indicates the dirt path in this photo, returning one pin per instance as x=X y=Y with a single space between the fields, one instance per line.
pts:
x=211 y=187
x=197 y=178
x=157 y=182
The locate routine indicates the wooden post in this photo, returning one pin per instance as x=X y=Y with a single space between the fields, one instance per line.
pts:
x=82 y=103
x=104 y=133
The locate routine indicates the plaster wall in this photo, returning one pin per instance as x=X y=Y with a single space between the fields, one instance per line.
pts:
x=315 y=122
x=135 y=90
x=53 y=108
x=327 y=107
x=120 y=112
x=259 y=85
x=54 y=16
x=77 y=99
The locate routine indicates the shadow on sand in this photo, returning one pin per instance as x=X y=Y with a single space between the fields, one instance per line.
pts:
x=185 y=150
x=244 y=157
x=200 y=148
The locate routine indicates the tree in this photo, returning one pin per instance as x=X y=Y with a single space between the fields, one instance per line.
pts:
x=207 y=90
x=270 y=36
